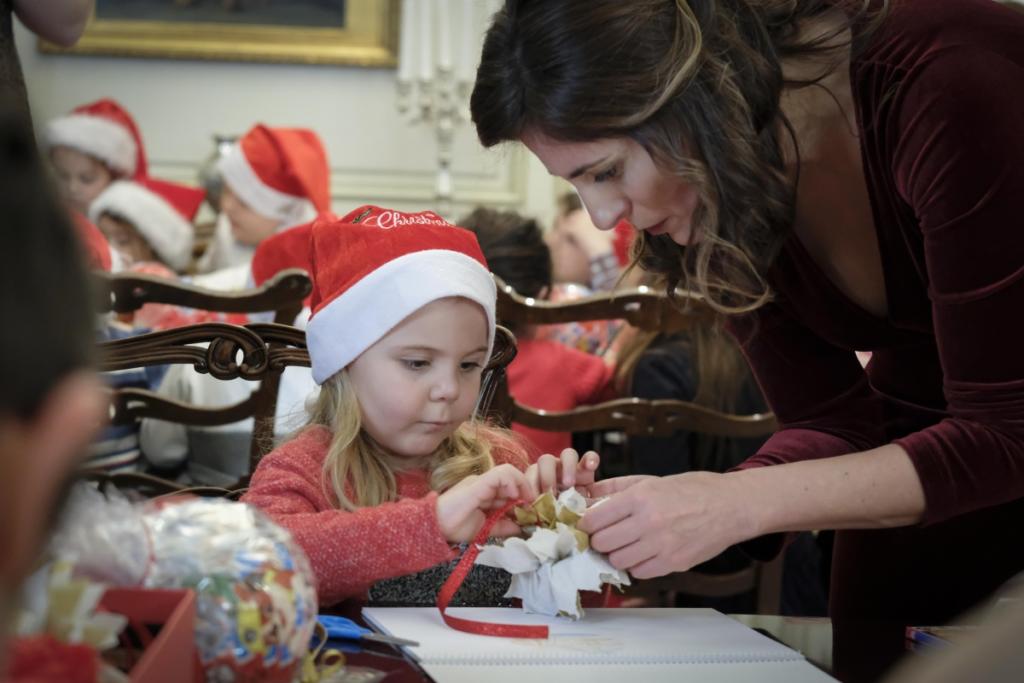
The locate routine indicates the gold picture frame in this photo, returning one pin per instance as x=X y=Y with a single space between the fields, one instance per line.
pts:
x=368 y=38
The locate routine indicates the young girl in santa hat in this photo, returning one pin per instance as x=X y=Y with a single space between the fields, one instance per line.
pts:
x=393 y=469
x=273 y=179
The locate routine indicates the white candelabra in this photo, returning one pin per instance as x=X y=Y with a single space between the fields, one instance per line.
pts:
x=439 y=48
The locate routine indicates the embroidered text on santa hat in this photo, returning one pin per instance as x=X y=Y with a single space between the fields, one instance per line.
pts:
x=374 y=267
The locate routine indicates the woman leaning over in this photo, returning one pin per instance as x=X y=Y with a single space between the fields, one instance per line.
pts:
x=830 y=175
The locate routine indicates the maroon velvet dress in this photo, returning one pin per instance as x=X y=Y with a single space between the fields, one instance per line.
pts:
x=940 y=105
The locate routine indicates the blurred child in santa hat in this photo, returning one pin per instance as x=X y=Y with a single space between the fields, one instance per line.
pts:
x=274 y=179
x=98 y=143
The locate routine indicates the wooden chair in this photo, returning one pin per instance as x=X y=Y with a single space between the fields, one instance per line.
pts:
x=641 y=307
x=125 y=292
x=650 y=311
x=258 y=351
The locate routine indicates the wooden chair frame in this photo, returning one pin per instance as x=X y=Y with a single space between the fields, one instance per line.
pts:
x=284 y=294
x=641 y=307
x=650 y=311
x=258 y=351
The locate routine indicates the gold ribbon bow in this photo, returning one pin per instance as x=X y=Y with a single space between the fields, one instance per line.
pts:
x=544 y=513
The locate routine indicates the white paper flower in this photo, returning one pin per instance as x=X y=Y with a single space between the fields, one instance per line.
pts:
x=555 y=562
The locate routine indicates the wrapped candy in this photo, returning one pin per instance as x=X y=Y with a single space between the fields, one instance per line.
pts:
x=555 y=561
x=256 y=604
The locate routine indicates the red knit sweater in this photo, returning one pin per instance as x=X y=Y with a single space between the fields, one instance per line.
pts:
x=350 y=551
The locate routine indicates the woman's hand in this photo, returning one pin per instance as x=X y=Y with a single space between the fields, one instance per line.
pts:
x=564 y=472
x=462 y=509
x=652 y=526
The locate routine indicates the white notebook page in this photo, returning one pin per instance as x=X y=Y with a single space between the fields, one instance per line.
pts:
x=603 y=636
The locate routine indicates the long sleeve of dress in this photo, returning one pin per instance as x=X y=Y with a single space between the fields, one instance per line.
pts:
x=959 y=165
x=954 y=148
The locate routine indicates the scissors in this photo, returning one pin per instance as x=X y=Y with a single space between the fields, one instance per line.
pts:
x=342 y=628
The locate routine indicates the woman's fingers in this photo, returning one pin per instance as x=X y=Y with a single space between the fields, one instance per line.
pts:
x=600 y=517
x=635 y=554
x=608 y=487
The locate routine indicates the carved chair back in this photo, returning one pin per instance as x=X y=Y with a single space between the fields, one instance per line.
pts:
x=258 y=351
x=647 y=310
x=283 y=294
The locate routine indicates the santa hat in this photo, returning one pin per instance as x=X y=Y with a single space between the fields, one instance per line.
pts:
x=281 y=251
x=102 y=129
x=156 y=216
x=94 y=243
x=374 y=268
x=281 y=173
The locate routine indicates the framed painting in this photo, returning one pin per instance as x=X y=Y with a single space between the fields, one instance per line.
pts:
x=354 y=32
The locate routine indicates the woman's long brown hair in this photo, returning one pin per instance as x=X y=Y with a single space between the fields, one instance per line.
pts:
x=698 y=84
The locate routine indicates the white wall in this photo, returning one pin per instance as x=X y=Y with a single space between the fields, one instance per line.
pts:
x=375 y=155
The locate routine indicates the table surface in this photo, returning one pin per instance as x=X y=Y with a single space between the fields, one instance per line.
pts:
x=810 y=636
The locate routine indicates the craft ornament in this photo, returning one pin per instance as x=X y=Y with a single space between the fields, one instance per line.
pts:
x=555 y=562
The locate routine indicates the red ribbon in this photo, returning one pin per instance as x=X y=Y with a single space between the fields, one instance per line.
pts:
x=451 y=586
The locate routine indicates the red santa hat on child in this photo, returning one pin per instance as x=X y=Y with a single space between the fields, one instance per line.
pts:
x=161 y=212
x=281 y=173
x=281 y=251
x=374 y=268
x=94 y=243
x=105 y=130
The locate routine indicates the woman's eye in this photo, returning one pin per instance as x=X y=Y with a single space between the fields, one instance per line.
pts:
x=415 y=363
x=470 y=366
x=606 y=174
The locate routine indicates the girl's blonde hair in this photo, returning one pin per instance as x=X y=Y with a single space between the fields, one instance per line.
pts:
x=360 y=473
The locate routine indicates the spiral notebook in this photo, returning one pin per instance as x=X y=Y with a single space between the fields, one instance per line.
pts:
x=612 y=638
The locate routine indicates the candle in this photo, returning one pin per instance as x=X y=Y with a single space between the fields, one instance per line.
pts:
x=468 y=43
x=426 y=41
x=406 y=60
x=444 y=35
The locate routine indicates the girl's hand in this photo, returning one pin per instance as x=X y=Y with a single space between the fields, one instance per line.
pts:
x=564 y=472
x=652 y=526
x=462 y=509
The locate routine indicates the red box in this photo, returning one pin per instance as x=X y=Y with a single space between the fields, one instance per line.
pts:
x=171 y=656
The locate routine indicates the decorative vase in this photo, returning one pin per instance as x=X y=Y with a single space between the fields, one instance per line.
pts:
x=209 y=177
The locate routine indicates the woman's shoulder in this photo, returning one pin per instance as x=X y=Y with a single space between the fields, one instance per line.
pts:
x=921 y=33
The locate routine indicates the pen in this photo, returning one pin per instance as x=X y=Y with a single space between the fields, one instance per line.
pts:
x=346 y=629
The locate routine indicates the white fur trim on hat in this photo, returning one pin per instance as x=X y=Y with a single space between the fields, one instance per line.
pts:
x=243 y=181
x=359 y=317
x=96 y=136
x=157 y=221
